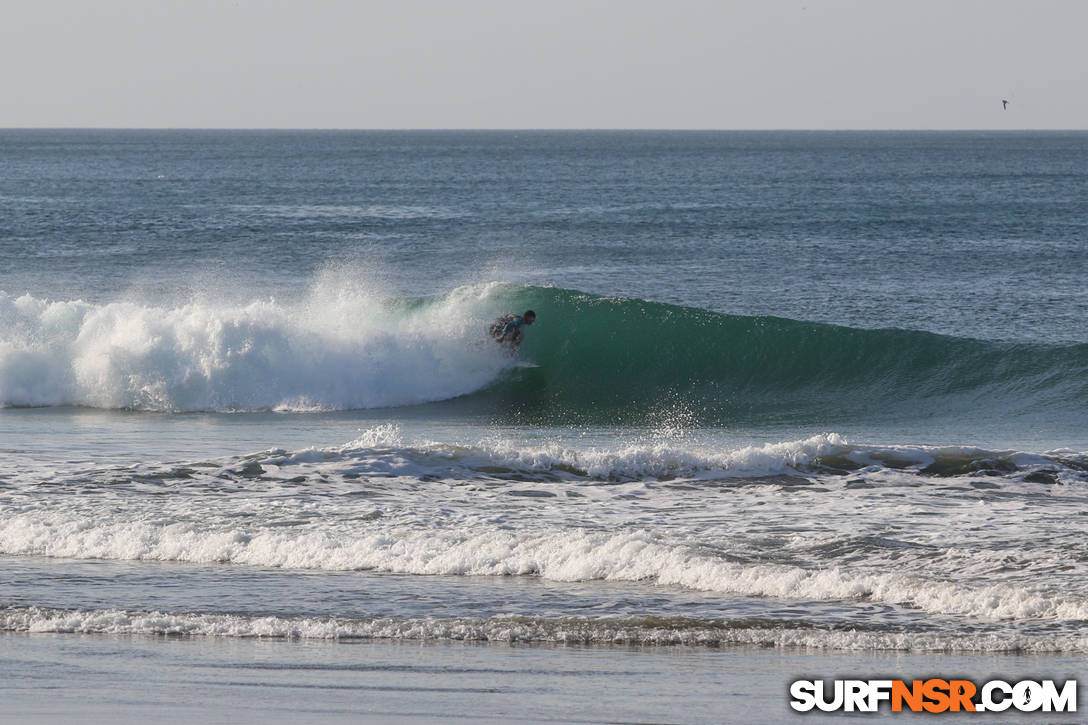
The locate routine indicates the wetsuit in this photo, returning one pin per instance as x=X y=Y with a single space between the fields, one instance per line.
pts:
x=507 y=329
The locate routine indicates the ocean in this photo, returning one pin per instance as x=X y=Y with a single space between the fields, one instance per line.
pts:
x=806 y=403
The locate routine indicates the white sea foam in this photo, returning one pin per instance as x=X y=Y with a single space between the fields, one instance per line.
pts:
x=570 y=630
x=665 y=514
x=337 y=349
x=495 y=550
x=382 y=450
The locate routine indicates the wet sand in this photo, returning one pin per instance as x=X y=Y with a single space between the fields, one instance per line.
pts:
x=54 y=678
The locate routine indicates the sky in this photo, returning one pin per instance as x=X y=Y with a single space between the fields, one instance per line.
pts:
x=676 y=64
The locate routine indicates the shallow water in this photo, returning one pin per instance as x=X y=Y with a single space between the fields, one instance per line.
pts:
x=139 y=679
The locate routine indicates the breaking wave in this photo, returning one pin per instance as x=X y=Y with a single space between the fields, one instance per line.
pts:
x=600 y=359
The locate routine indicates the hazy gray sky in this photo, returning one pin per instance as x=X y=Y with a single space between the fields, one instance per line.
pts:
x=544 y=64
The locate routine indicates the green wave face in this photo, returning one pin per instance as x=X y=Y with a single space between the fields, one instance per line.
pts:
x=632 y=361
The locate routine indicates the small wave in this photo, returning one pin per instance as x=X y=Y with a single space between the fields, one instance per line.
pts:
x=382 y=451
x=490 y=550
x=646 y=631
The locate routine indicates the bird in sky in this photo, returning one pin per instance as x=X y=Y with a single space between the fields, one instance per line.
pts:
x=1004 y=104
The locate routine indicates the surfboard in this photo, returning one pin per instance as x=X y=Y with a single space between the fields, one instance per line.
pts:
x=525 y=364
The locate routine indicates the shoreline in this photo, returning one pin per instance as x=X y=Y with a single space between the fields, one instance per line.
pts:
x=109 y=678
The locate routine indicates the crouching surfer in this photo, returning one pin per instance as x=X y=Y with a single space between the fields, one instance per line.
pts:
x=507 y=330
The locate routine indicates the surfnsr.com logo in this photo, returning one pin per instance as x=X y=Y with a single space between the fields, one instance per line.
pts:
x=933 y=695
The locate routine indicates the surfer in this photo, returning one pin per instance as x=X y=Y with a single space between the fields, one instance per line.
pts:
x=506 y=330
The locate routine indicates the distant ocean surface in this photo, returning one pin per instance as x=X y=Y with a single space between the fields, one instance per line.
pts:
x=794 y=389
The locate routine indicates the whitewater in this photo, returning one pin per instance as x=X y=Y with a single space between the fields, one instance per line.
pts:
x=662 y=513
x=331 y=351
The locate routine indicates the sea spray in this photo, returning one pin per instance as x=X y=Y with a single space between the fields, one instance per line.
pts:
x=327 y=352
x=600 y=359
